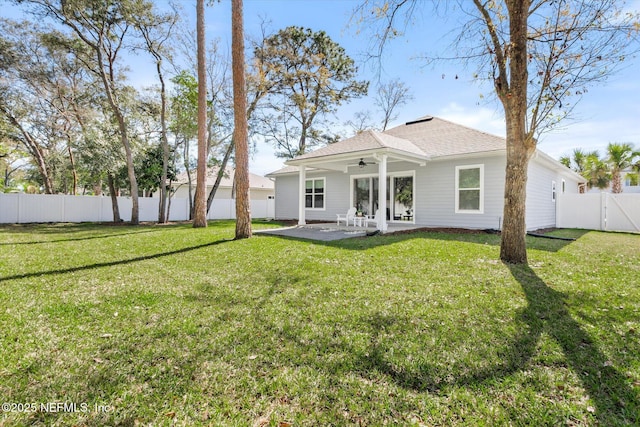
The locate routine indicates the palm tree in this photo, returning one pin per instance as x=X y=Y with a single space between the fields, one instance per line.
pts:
x=578 y=160
x=619 y=157
x=596 y=171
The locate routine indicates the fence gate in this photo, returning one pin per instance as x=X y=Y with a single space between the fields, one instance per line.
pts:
x=604 y=211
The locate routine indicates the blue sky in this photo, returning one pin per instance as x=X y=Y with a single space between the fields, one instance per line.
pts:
x=609 y=112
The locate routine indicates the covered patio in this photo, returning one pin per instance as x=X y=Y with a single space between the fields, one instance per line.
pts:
x=366 y=149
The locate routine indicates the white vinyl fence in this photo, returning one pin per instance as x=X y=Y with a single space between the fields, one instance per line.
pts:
x=603 y=211
x=26 y=208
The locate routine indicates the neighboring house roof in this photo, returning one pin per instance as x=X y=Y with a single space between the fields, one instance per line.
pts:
x=426 y=138
x=255 y=181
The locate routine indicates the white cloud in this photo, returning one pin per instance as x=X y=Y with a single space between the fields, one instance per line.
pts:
x=484 y=119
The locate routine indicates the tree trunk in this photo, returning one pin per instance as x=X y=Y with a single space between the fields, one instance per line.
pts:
x=114 y=198
x=122 y=127
x=133 y=183
x=616 y=182
x=187 y=167
x=74 y=173
x=512 y=91
x=513 y=244
x=221 y=171
x=34 y=149
x=240 y=133
x=163 y=215
x=200 y=208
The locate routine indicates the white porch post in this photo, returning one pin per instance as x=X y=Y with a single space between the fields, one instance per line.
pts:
x=382 y=192
x=301 y=195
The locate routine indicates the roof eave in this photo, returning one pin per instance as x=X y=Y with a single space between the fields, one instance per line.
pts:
x=353 y=155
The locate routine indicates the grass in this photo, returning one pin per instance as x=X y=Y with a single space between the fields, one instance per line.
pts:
x=169 y=325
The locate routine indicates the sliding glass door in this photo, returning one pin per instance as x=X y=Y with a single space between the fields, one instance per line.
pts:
x=399 y=189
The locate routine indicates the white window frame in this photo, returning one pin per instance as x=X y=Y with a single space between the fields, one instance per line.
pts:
x=480 y=209
x=313 y=199
x=398 y=174
x=554 y=191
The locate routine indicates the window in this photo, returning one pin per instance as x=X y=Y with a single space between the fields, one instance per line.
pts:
x=470 y=189
x=399 y=197
x=553 y=191
x=564 y=186
x=314 y=193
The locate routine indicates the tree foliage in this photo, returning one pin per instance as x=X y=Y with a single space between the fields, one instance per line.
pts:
x=540 y=56
x=620 y=156
x=309 y=76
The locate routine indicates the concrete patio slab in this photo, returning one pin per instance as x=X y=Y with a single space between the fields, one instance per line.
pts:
x=327 y=232
x=324 y=234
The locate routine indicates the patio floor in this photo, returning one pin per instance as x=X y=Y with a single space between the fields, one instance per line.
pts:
x=330 y=231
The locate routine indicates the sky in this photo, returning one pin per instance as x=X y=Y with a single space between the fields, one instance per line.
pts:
x=609 y=112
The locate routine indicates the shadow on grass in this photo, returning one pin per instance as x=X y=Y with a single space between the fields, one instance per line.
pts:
x=471 y=236
x=76 y=239
x=112 y=263
x=616 y=402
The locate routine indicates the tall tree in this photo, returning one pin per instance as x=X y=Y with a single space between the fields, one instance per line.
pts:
x=537 y=54
x=310 y=75
x=156 y=30
x=240 y=133
x=200 y=205
x=184 y=107
x=619 y=157
x=103 y=27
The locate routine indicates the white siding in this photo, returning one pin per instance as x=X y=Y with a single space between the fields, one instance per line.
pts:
x=434 y=195
x=435 y=201
x=541 y=209
x=336 y=196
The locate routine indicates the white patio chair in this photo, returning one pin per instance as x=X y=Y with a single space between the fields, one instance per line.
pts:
x=375 y=220
x=351 y=213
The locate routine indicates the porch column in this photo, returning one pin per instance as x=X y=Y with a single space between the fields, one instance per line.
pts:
x=301 y=195
x=382 y=192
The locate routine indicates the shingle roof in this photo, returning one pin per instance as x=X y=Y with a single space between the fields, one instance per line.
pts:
x=427 y=137
x=255 y=181
x=364 y=141
x=438 y=137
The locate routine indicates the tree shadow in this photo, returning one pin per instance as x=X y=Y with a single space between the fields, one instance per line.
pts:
x=609 y=389
x=469 y=236
x=615 y=401
x=75 y=239
x=112 y=263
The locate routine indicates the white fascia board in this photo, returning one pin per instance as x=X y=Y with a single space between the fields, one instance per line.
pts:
x=556 y=165
x=322 y=162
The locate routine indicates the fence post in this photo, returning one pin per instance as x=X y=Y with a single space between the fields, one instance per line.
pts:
x=603 y=210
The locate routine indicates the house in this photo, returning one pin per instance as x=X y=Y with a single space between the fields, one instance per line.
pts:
x=429 y=172
x=260 y=187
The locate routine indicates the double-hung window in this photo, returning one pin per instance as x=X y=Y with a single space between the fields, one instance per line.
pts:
x=469 y=189
x=314 y=193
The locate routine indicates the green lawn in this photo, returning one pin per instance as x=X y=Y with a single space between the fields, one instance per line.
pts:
x=169 y=325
